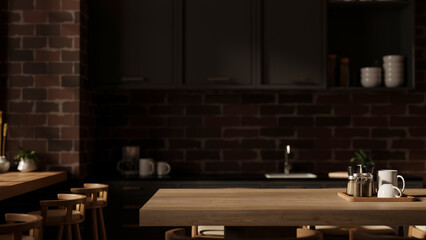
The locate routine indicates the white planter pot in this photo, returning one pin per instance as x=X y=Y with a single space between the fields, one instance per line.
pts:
x=26 y=165
x=4 y=164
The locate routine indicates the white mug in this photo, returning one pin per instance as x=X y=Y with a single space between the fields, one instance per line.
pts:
x=163 y=168
x=146 y=167
x=389 y=176
x=388 y=190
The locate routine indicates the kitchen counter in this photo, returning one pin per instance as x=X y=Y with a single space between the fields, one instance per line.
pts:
x=412 y=182
x=16 y=183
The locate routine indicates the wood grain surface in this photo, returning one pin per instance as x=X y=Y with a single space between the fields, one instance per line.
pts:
x=275 y=207
x=16 y=183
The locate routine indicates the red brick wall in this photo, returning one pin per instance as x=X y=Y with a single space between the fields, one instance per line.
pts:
x=245 y=131
x=44 y=80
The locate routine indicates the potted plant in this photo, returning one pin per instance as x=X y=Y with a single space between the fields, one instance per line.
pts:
x=26 y=160
x=361 y=158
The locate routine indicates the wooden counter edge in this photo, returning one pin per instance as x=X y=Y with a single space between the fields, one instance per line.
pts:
x=22 y=187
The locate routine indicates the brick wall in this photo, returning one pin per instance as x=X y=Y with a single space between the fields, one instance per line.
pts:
x=44 y=80
x=3 y=54
x=244 y=131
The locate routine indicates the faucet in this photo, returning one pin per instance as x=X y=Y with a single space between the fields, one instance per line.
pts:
x=287 y=166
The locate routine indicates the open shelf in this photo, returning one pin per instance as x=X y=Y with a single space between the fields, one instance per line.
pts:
x=365 y=31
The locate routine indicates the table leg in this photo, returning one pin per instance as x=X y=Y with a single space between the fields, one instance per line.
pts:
x=257 y=232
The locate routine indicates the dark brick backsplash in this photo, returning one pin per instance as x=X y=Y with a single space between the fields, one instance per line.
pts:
x=240 y=133
x=314 y=109
x=34 y=94
x=47 y=132
x=277 y=132
x=56 y=17
x=276 y=110
x=21 y=4
x=388 y=133
x=34 y=42
x=195 y=132
x=290 y=98
x=222 y=144
x=47 y=29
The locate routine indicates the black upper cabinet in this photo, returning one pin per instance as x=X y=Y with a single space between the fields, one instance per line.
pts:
x=135 y=43
x=218 y=43
x=147 y=42
x=243 y=43
x=293 y=43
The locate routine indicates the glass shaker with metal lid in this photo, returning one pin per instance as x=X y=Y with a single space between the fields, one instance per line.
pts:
x=357 y=191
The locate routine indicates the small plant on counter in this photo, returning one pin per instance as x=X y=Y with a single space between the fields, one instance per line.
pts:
x=361 y=158
x=26 y=160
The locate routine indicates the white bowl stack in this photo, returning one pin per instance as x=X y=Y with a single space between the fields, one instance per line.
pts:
x=371 y=77
x=393 y=67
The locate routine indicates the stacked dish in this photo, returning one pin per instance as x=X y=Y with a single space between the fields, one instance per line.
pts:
x=393 y=67
x=371 y=77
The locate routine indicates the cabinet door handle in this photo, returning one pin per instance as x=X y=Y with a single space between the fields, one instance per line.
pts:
x=131 y=188
x=134 y=79
x=224 y=79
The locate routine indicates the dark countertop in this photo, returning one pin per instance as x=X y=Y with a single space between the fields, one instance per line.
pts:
x=228 y=177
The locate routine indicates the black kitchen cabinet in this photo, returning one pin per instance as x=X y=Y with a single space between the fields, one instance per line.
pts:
x=219 y=48
x=293 y=43
x=243 y=44
x=134 y=44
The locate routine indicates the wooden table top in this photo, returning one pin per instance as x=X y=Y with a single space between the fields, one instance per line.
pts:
x=15 y=183
x=275 y=207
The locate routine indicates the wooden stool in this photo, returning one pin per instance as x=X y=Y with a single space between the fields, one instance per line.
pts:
x=18 y=223
x=97 y=198
x=356 y=234
x=342 y=232
x=213 y=232
x=302 y=234
x=418 y=232
x=67 y=211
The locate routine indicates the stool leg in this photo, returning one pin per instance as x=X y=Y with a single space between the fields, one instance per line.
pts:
x=77 y=231
x=59 y=233
x=69 y=233
x=94 y=224
x=102 y=224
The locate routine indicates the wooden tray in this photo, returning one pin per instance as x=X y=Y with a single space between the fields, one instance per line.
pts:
x=348 y=198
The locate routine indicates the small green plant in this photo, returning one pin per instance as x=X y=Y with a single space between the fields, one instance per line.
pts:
x=361 y=158
x=24 y=155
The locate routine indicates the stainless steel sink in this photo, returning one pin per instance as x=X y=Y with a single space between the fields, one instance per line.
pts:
x=290 y=175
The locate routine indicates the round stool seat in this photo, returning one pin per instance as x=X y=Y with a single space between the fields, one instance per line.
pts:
x=211 y=230
x=308 y=234
x=19 y=224
x=421 y=227
x=58 y=215
x=10 y=237
x=344 y=230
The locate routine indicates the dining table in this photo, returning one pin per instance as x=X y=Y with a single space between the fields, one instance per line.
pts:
x=274 y=213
